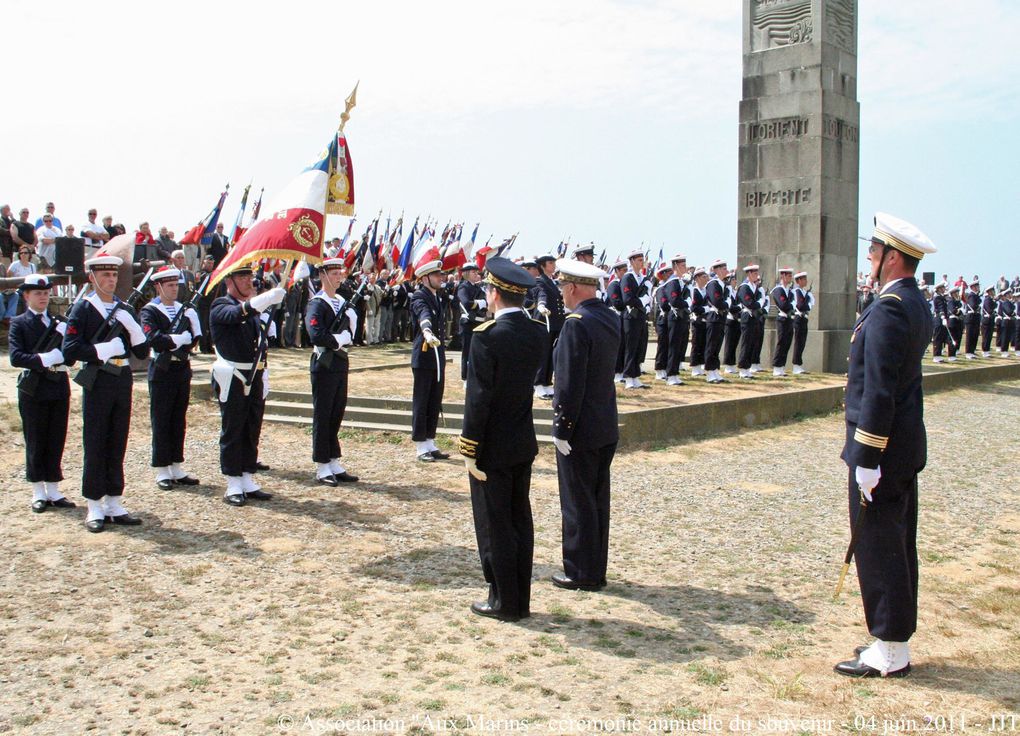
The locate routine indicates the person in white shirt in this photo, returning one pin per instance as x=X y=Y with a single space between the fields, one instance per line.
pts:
x=46 y=236
x=94 y=234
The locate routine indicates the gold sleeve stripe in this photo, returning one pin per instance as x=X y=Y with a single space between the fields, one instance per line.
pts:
x=573 y=315
x=466 y=441
x=871 y=440
x=872 y=435
x=897 y=297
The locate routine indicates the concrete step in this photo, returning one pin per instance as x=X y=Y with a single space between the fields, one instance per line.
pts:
x=306 y=421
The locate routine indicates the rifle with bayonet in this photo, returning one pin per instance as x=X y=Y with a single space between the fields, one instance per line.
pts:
x=110 y=330
x=342 y=321
x=163 y=359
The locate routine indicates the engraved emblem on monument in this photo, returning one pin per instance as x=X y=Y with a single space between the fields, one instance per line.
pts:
x=776 y=23
x=840 y=22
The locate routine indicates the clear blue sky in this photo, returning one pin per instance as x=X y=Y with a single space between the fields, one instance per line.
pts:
x=600 y=120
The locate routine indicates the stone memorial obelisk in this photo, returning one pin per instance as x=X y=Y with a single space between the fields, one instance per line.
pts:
x=799 y=160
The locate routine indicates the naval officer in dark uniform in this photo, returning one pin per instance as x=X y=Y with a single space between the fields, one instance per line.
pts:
x=471 y=306
x=428 y=360
x=239 y=382
x=498 y=439
x=585 y=428
x=171 y=337
x=331 y=322
x=44 y=393
x=636 y=299
x=886 y=447
x=106 y=405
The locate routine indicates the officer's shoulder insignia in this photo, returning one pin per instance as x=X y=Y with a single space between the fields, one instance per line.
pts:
x=485 y=325
x=897 y=297
x=573 y=315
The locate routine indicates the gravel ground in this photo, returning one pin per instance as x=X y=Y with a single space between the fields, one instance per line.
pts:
x=352 y=603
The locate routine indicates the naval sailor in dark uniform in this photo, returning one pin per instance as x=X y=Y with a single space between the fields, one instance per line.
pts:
x=548 y=310
x=803 y=303
x=331 y=323
x=717 y=305
x=106 y=406
x=471 y=306
x=585 y=430
x=428 y=360
x=663 y=275
x=614 y=298
x=238 y=380
x=750 y=298
x=44 y=392
x=989 y=312
x=782 y=297
x=171 y=337
x=636 y=299
x=972 y=318
x=886 y=447
x=498 y=439
x=699 y=328
x=678 y=312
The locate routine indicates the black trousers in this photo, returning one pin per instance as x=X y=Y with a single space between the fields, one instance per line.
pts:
x=106 y=420
x=886 y=556
x=506 y=535
x=584 y=502
x=544 y=374
x=799 y=339
x=329 y=402
x=400 y=324
x=939 y=338
x=714 y=332
x=662 y=330
x=427 y=401
x=748 y=341
x=756 y=356
x=731 y=338
x=44 y=424
x=169 y=396
x=973 y=322
x=635 y=342
x=784 y=337
x=699 y=330
x=241 y=427
x=987 y=328
x=679 y=332
x=205 y=341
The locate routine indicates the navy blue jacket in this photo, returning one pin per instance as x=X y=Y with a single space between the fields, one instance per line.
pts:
x=427 y=312
x=235 y=329
x=884 y=397
x=584 y=359
x=26 y=329
x=322 y=323
x=83 y=322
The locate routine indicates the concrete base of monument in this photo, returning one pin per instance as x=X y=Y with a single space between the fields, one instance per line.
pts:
x=660 y=415
x=826 y=350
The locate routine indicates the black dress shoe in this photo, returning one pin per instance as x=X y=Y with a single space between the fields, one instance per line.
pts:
x=857 y=668
x=63 y=503
x=95 y=526
x=426 y=458
x=258 y=495
x=482 y=608
x=39 y=506
x=235 y=499
x=438 y=455
x=124 y=520
x=345 y=477
x=261 y=466
x=560 y=580
x=327 y=480
x=187 y=481
x=165 y=485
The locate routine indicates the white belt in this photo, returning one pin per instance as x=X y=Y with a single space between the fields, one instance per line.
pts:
x=59 y=369
x=223 y=371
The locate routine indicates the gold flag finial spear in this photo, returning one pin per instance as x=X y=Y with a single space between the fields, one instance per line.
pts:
x=351 y=101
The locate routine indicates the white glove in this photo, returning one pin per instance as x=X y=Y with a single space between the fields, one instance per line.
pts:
x=481 y=303
x=110 y=349
x=196 y=325
x=53 y=357
x=647 y=300
x=266 y=299
x=543 y=310
x=134 y=329
x=61 y=327
x=430 y=338
x=562 y=445
x=867 y=479
x=271 y=332
x=182 y=339
x=472 y=467
x=343 y=338
x=265 y=384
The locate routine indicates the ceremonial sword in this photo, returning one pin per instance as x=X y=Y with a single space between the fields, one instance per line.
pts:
x=854 y=534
